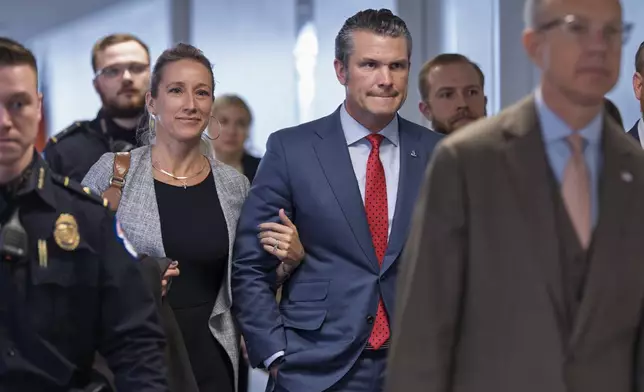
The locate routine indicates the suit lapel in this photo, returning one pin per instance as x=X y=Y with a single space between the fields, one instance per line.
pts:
x=412 y=167
x=615 y=198
x=333 y=154
x=527 y=165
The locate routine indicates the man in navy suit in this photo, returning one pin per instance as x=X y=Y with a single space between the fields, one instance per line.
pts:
x=638 y=86
x=349 y=182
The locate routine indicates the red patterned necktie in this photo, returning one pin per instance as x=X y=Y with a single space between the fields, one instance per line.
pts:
x=378 y=219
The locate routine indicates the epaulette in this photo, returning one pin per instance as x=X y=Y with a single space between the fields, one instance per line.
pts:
x=77 y=188
x=70 y=130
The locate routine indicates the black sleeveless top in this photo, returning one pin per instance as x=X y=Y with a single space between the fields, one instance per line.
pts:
x=195 y=234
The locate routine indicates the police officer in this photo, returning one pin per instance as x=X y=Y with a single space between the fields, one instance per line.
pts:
x=69 y=281
x=121 y=64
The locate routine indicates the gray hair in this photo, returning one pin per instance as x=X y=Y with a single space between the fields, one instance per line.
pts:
x=532 y=13
x=382 y=22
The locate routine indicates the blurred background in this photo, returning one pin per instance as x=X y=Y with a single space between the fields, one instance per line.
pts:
x=278 y=54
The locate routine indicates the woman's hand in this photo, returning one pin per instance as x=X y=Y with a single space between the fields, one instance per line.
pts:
x=282 y=240
x=173 y=270
x=242 y=348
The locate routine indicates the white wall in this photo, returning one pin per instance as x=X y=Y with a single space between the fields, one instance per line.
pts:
x=65 y=55
x=251 y=44
x=515 y=75
x=471 y=32
x=456 y=26
x=489 y=32
x=428 y=24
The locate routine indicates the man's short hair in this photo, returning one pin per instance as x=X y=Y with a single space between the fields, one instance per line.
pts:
x=381 y=22
x=13 y=53
x=639 y=59
x=443 y=59
x=114 y=39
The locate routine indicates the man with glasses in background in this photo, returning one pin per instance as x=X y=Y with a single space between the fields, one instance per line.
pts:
x=121 y=64
x=523 y=269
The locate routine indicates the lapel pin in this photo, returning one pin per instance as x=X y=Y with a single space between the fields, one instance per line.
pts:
x=413 y=153
x=627 y=177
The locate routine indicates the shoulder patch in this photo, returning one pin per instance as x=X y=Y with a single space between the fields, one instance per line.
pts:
x=77 y=188
x=120 y=234
x=70 y=130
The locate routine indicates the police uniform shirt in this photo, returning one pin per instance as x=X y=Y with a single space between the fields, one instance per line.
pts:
x=73 y=151
x=78 y=291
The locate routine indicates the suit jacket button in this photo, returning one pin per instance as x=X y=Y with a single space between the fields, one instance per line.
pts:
x=370 y=319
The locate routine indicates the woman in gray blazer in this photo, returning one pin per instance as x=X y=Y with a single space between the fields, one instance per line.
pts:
x=179 y=202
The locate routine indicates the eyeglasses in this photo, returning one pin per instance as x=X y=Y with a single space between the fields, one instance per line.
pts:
x=117 y=70
x=583 y=30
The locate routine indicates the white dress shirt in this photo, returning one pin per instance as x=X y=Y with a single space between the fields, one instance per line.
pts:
x=640 y=131
x=359 y=149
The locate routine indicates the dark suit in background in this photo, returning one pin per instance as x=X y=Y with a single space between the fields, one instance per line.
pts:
x=250 y=165
x=634 y=131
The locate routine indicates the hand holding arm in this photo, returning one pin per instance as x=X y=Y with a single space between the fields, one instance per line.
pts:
x=282 y=241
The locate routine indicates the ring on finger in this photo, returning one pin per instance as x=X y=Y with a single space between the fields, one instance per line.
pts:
x=276 y=246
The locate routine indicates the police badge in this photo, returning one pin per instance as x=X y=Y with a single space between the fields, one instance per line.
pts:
x=66 y=232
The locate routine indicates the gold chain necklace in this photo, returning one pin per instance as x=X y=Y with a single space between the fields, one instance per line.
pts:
x=182 y=179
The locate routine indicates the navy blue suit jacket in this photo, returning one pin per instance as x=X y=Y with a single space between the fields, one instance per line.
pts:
x=633 y=132
x=328 y=305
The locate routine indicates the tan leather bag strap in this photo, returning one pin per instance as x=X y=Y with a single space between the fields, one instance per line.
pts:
x=117 y=180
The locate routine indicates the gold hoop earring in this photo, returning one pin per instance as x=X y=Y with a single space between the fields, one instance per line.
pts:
x=207 y=134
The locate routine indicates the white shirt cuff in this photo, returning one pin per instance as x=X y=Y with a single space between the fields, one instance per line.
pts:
x=272 y=358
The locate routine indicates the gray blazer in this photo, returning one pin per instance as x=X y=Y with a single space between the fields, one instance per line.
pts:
x=138 y=214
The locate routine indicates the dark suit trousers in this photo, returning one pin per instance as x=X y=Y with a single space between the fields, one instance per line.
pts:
x=366 y=375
